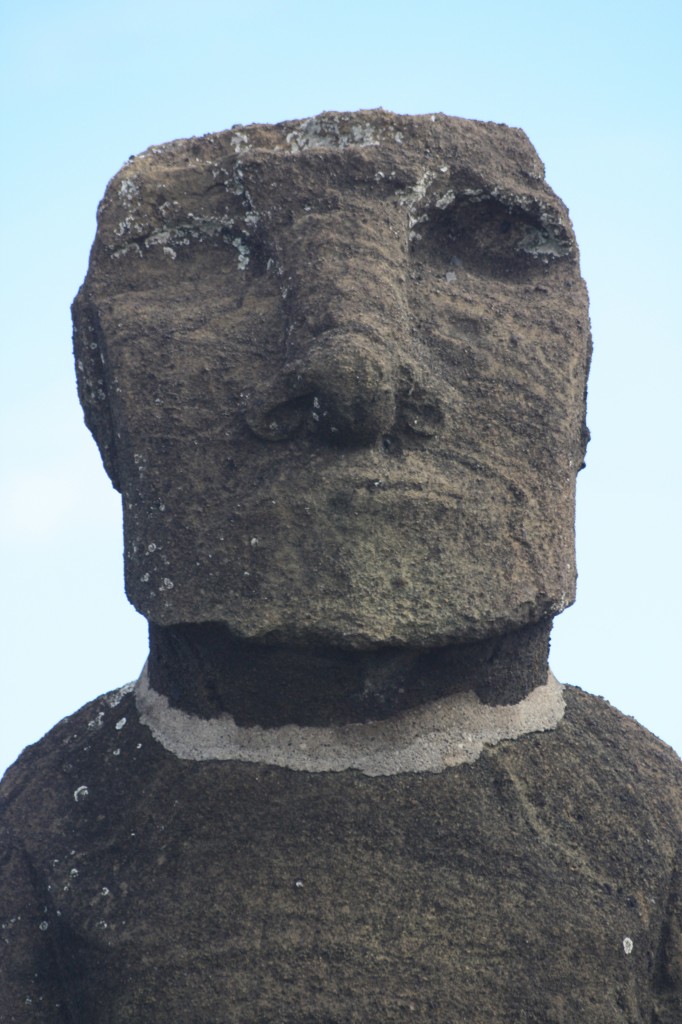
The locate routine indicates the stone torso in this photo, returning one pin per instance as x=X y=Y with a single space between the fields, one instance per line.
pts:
x=520 y=887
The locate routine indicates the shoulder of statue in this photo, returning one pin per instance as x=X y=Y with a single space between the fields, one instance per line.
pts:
x=53 y=776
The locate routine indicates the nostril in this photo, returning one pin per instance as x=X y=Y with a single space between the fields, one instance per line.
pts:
x=280 y=407
x=392 y=445
x=342 y=388
x=419 y=411
x=278 y=422
x=423 y=418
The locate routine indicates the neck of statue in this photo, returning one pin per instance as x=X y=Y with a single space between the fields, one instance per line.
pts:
x=203 y=670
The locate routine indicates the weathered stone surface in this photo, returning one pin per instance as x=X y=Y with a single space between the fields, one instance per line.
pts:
x=337 y=369
x=203 y=670
x=540 y=884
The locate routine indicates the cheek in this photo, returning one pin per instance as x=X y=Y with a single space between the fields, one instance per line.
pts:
x=179 y=370
x=510 y=363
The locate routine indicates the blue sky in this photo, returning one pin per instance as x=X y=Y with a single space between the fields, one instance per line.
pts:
x=597 y=88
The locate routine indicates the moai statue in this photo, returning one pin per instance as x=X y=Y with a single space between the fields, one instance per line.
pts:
x=336 y=369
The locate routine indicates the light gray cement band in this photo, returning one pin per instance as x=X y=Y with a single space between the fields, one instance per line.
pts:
x=430 y=738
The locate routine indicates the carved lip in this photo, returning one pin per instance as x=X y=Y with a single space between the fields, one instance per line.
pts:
x=371 y=479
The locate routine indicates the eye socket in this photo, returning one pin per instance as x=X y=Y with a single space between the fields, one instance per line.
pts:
x=486 y=236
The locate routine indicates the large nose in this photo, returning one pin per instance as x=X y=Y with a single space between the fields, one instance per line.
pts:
x=343 y=276
x=342 y=387
x=350 y=377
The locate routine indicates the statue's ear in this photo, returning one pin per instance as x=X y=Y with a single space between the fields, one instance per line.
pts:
x=92 y=376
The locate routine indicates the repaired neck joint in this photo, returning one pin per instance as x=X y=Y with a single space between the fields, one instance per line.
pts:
x=205 y=671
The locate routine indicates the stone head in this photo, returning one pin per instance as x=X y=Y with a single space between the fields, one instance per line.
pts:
x=336 y=368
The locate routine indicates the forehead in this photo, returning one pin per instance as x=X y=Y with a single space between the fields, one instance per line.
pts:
x=216 y=189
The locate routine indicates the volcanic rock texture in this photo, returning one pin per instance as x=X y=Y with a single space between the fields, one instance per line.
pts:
x=337 y=369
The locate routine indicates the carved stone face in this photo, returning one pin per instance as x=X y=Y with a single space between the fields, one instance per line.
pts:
x=337 y=369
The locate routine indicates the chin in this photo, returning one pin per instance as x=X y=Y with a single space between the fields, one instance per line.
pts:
x=367 y=623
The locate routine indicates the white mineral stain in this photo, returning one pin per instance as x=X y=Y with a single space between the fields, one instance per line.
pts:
x=133 y=248
x=115 y=698
x=240 y=141
x=128 y=189
x=628 y=945
x=447 y=199
x=121 y=722
x=329 y=132
x=243 y=253
x=414 y=195
x=430 y=738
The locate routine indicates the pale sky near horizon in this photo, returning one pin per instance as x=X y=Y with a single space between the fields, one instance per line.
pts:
x=597 y=88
